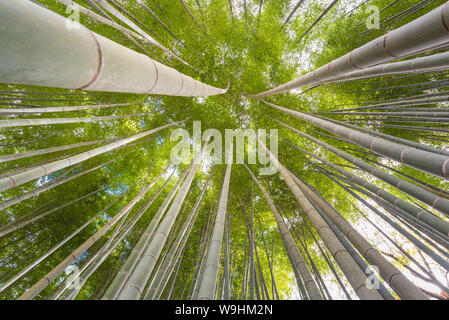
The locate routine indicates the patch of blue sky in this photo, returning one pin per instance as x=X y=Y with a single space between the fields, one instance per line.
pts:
x=49 y=178
x=142 y=123
x=105 y=217
x=120 y=189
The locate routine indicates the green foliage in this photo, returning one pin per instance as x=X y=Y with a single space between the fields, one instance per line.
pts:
x=265 y=57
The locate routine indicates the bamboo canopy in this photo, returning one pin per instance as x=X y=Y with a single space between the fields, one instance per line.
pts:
x=337 y=192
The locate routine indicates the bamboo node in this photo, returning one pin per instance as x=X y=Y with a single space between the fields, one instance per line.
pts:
x=384 y=45
x=434 y=203
x=443 y=168
x=182 y=84
x=403 y=152
x=443 y=18
x=99 y=60
x=135 y=287
x=156 y=76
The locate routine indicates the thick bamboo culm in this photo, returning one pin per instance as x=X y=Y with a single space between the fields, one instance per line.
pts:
x=50 y=252
x=366 y=103
x=402 y=104
x=52 y=121
x=432 y=63
x=212 y=260
x=428 y=197
x=126 y=270
x=96 y=8
x=355 y=276
x=441 y=115
x=432 y=163
x=134 y=286
x=297 y=261
x=419 y=244
x=111 y=244
x=425 y=32
x=63 y=109
x=403 y=141
x=55 y=272
x=388 y=271
x=438 y=224
x=137 y=252
x=28 y=154
x=80 y=58
x=158 y=284
x=17 y=199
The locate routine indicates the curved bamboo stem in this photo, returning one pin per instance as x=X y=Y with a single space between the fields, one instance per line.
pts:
x=297 y=261
x=432 y=163
x=355 y=276
x=55 y=272
x=80 y=59
x=135 y=285
x=34 y=173
x=427 y=31
x=209 y=280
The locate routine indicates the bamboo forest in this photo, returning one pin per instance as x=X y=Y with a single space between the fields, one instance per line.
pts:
x=224 y=150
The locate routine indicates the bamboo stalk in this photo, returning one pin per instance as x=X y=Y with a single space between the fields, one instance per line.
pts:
x=81 y=59
x=28 y=154
x=390 y=137
x=56 y=271
x=205 y=248
x=34 y=173
x=441 y=261
x=297 y=261
x=109 y=247
x=292 y=13
x=435 y=164
x=208 y=283
x=135 y=285
x=432 y=220
x=24 y=271
x=435 y=201
x=52 y=121
x=122 y=276
x=63 y=109
x=157 y=285
x=326 y=10
x=422 y=33
x=116 y=13
x=159 y=21
x=355 y=276
x=227 y=271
